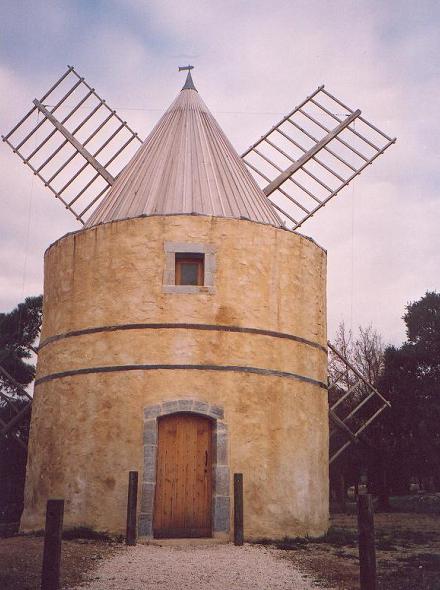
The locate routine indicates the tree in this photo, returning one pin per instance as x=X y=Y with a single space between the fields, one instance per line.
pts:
x=404 y=443
x=422 y=320
x=18 y=331
x=411 y=380
x=365 y=352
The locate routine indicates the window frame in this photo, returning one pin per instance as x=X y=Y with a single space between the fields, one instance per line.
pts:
x=188 y=249
x=182 y=258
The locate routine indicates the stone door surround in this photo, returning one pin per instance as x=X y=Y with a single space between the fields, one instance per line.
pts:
x=221 y=486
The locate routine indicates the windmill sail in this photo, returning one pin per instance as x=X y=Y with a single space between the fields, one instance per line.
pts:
x=18 y=402
x=354 y=403
x=313 y=153
x=74 y=143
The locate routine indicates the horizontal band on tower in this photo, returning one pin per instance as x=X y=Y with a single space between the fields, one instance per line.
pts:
x=230 y=368
x=179 y=326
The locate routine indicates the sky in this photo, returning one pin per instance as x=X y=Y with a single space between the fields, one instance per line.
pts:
x=254 y=61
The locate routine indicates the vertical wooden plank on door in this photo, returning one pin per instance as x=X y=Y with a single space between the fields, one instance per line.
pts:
x=183 y=500
x=203 y=495
x=165 y=494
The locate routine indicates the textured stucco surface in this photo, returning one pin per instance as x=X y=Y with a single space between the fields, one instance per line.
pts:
x=87 y=430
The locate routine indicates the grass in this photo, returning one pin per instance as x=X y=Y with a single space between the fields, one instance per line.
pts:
x=81 y=532
x=407 y=549
x=87 y=533
x=422 y=503
x=347 y=537
x=336 y=536
x=428 y=561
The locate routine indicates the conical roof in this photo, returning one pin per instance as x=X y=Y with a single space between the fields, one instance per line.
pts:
x=186 y=166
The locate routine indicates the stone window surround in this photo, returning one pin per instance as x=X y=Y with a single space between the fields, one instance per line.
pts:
x=169 y=275
x=220 y=466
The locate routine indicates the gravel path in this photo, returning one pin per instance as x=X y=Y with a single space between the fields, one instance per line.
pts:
x=224 y=567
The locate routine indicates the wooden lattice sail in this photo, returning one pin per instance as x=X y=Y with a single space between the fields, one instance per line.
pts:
x=76 y=155
x=18 y=401
x=315 y=151
x=354 y=403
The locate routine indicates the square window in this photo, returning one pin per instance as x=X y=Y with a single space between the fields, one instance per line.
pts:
x=189 y=268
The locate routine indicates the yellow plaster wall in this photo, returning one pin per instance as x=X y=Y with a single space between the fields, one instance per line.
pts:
x=182 y=346
x=112 y=274
x=87 y=430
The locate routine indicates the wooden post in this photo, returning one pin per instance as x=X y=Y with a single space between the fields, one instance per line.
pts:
x=367 y=549
x=50 y=575
x=131 y=508
x=238 y=509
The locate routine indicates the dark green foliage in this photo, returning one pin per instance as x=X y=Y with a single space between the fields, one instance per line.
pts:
x=18 y=331
x=422 y=321
x=410 y=430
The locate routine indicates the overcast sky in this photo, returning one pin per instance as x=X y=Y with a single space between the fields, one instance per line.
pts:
x=254 y=61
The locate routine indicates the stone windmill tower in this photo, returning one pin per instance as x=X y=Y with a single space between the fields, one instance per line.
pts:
x=184 y=337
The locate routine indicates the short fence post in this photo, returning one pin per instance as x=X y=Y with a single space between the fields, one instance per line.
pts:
x=238 y=509
x=50 y=575
x=367 y=550
x=131 y=508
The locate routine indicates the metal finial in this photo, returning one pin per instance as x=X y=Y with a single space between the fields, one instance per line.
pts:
x=189 y=84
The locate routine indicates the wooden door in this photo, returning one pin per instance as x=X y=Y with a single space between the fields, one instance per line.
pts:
x=182 y=506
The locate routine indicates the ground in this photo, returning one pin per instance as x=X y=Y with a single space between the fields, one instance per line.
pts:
x=408 y=553
x=21 y=557
x=198 y=567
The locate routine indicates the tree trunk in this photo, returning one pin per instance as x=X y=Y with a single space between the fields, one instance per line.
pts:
x=341 y=492
x=383 y=500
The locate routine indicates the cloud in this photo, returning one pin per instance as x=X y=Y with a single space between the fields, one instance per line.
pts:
x=254 y=61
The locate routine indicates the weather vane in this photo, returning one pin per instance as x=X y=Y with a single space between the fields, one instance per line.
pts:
x=189 y=68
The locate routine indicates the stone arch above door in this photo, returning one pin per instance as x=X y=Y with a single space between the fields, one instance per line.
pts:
x=221 y=485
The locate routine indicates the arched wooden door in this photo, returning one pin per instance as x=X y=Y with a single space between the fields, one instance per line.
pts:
x=183 y=499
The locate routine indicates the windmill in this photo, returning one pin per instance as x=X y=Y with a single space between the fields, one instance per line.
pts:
x=301 y=164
